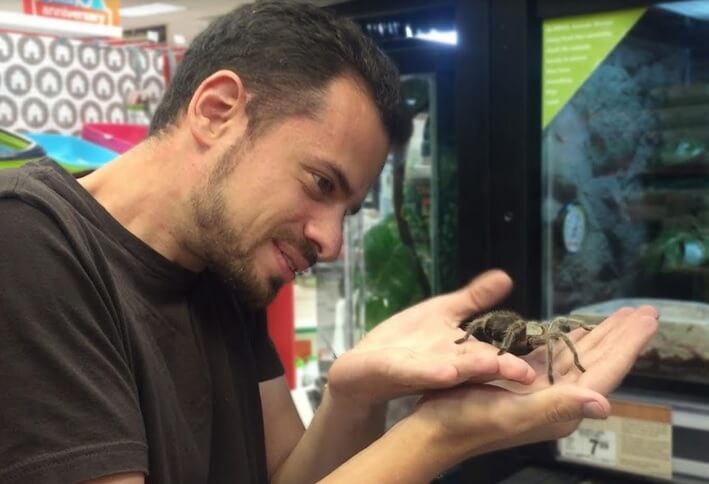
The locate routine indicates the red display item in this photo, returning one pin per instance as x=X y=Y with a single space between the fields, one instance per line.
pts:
x=117 y=137
x=281 y=328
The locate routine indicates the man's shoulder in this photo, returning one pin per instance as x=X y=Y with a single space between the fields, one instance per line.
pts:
x=33 y=183
x=32 y=203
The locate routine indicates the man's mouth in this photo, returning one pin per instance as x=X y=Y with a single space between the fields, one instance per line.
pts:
x=291 y=264
x=294 y=261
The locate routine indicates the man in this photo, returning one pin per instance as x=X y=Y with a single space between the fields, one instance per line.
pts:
x=132 y=347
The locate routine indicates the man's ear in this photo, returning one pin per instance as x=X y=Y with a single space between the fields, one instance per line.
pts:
x=218 y=107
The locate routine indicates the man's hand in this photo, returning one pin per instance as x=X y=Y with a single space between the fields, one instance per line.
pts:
x=474 y=419
x=415 y=350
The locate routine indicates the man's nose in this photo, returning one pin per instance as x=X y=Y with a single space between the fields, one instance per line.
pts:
x=326 y=234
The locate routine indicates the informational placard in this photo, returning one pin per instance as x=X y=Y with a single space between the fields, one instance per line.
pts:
x=104 y=12
x=636 y=438
x=572 y=48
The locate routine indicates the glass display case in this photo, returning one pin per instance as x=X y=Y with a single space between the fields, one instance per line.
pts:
x=600 y=116
x=406 y=242
x=598 y=113
x=625 y=174
x=401 y=246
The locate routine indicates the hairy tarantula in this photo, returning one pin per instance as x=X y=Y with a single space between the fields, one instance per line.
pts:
x=511 y=333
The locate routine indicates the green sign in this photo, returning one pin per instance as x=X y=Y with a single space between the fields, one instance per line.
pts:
x=572 y=48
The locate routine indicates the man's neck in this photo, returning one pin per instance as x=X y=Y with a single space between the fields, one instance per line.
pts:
x=147 y=191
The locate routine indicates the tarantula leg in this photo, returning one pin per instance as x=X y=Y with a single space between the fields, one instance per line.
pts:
x=576 y=322
x=538 y=341
x=568 y=342
x=472 y=325
x=468 y=332
x=511 y=335
x=550 y=364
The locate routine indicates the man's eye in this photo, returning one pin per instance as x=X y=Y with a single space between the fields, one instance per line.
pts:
x=324 y=185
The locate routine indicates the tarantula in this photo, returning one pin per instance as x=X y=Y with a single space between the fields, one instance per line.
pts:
x=511 y=333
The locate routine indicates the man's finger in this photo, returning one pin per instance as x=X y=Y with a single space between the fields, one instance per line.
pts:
x=619 y=355
x=594 y=344
x=605 y=340
x=559 y=404
x=608 y=325
x=615 y=323
x=480 y=294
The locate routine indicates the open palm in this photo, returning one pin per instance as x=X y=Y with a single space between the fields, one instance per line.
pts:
x=415 y=350
x=503 y=414
x=608 y=352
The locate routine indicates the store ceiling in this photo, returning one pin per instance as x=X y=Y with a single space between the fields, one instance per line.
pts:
x=187 y=22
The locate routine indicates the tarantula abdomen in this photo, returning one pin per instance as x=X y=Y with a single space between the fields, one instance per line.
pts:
x=503 y=328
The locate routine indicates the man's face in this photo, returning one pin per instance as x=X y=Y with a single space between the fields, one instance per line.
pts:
x=274 y=205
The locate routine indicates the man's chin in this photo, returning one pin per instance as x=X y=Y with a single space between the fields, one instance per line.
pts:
x=274 y=286
x=261 y=296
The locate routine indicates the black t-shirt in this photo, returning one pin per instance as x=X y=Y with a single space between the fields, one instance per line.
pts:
x=112 y=358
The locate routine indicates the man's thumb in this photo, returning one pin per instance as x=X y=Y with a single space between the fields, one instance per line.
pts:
x=480 y=294
x=560 y=404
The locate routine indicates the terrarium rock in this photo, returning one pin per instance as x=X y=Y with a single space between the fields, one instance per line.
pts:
x=564 y=148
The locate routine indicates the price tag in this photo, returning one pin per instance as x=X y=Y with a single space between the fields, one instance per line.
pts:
x=594 y=446
x=636 y=438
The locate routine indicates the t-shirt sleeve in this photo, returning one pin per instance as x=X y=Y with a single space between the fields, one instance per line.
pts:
x=69 y=407
x=267 y=360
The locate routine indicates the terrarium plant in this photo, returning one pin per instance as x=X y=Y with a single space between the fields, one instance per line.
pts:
x=677 y=248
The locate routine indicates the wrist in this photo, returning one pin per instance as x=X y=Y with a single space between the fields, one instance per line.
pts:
x=356 y=408
x=427 y=444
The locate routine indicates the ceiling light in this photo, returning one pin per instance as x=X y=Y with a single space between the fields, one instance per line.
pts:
x=449 y=37
x=149 y=9
x=695 y=9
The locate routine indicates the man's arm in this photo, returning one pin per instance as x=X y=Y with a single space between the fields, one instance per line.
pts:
x=282 y=425
x=410 y=352
x=70 y=408
x=449 y=426
x=335 y=434
x=465 y=420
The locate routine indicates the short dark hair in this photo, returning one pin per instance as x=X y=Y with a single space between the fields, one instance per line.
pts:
x=286 y=53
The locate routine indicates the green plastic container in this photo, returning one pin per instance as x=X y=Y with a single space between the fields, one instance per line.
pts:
x=16 y=150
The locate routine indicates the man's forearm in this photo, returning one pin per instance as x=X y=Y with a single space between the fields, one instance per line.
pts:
x=336 y=433
x=411 y=452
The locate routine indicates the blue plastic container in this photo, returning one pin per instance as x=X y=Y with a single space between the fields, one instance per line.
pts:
x=74 y=154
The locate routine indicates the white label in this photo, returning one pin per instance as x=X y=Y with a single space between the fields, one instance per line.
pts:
x=574 y=228
x=594 y=446
x=636 y=438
